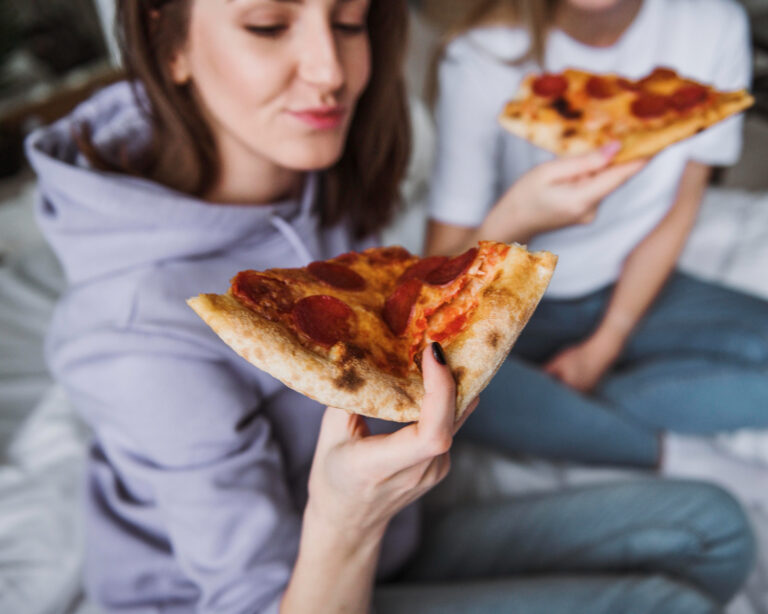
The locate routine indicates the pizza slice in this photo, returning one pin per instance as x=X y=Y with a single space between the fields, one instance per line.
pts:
x=576 y=111
x=349 y=331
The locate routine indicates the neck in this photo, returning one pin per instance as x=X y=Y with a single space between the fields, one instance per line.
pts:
x=600 y=27
x=250 y=179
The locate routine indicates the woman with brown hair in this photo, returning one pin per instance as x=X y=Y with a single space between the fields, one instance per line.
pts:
x=260 y=133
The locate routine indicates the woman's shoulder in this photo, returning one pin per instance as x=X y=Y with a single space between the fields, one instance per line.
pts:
x=489 y=45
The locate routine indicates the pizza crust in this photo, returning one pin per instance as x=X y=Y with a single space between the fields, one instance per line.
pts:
x=545 y=128
x=506 y=306
x=650 y=142
x=356 y=386
x=352 y=385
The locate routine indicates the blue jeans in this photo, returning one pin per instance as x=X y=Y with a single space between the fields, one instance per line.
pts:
x=697 y=363
x=644 y=547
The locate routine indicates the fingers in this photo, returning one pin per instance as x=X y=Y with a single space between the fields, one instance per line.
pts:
x=603 y=183
x=572 y=167
x=431 y=436
x=339 y=426
x=438 y=409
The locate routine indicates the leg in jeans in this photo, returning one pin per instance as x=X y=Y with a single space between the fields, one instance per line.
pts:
x=698 y=363
x=526 y=411
x=642 y=547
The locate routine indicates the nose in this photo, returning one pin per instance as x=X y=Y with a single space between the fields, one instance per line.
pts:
x=320 y=64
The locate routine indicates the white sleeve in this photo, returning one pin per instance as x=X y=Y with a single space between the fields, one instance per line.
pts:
x=721 y=144
x=465 y=176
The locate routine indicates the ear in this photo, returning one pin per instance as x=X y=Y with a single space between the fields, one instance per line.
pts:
x=181 y=71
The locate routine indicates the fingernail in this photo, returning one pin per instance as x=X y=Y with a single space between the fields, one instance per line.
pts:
x=611 y=149
x=437 y=352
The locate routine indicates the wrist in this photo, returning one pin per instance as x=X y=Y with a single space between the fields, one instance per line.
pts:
x=618 y=324
x=608 y=341
x=347 y=538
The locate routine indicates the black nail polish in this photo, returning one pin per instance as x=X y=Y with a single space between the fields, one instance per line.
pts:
x=437 y=352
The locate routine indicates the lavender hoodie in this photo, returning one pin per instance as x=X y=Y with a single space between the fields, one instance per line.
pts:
x=198 y=471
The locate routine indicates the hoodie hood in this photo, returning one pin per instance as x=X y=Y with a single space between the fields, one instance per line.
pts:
x=102 y=223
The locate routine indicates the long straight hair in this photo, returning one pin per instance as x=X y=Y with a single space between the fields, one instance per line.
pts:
x=361 y=188
x=535 y=16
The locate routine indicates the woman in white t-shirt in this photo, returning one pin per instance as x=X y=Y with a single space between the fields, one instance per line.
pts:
x=628 y=346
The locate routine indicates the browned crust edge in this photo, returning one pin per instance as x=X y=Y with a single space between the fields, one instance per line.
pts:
x=503 y=312
x=636 y=145
x=648 y=143
x=356 y=386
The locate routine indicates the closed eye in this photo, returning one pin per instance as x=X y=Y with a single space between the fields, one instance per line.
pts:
x=350 y=28
x=267 y=31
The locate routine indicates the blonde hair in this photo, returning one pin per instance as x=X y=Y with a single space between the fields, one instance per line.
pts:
x=536 y=16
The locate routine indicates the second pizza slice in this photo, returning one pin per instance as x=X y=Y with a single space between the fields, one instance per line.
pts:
x=574 y=112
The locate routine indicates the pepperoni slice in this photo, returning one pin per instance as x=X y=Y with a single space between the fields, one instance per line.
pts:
x=324 y=319
x=550 y=86
x=336 y=275
x=397 y=309
x=348 y=258
x=451 y=269
x=264 y=294
x=650 y=105
x=600 y=88
x=386 y=255
x=626 y=84
x=422 y=268
x=688 y=96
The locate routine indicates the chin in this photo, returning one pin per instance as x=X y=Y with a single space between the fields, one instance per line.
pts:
x=594 y=5
x=313 y=153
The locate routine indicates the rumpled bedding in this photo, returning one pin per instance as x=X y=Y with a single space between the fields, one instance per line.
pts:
x=42 y=443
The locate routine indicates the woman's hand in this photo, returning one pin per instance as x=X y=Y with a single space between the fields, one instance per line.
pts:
x=560 y=192
x=582 y=366
x=359 y=482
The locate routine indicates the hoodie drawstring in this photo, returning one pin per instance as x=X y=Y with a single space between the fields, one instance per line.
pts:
x=288 y=231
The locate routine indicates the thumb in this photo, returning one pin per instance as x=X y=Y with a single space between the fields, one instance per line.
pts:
x=572 y=167
x=438 y=408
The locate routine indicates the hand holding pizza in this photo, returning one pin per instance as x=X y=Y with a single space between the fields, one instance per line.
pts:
x=359 y=482
x=561 y=192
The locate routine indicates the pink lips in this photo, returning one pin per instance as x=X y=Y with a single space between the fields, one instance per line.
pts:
x=326 y=118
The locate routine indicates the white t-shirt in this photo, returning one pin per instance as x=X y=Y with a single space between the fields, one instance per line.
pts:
x=707 y=40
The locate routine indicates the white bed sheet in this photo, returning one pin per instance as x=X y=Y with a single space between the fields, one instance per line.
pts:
x=42 y=443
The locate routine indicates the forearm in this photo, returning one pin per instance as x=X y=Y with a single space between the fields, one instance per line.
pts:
x=645 y=271
x=649 y=265
x=335 y=569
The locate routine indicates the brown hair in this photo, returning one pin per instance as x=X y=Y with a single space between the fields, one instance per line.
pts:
x=362 y=187
x=536 y=16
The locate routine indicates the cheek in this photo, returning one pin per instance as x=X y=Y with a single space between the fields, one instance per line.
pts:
x=594 y=5
x=234 y=82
